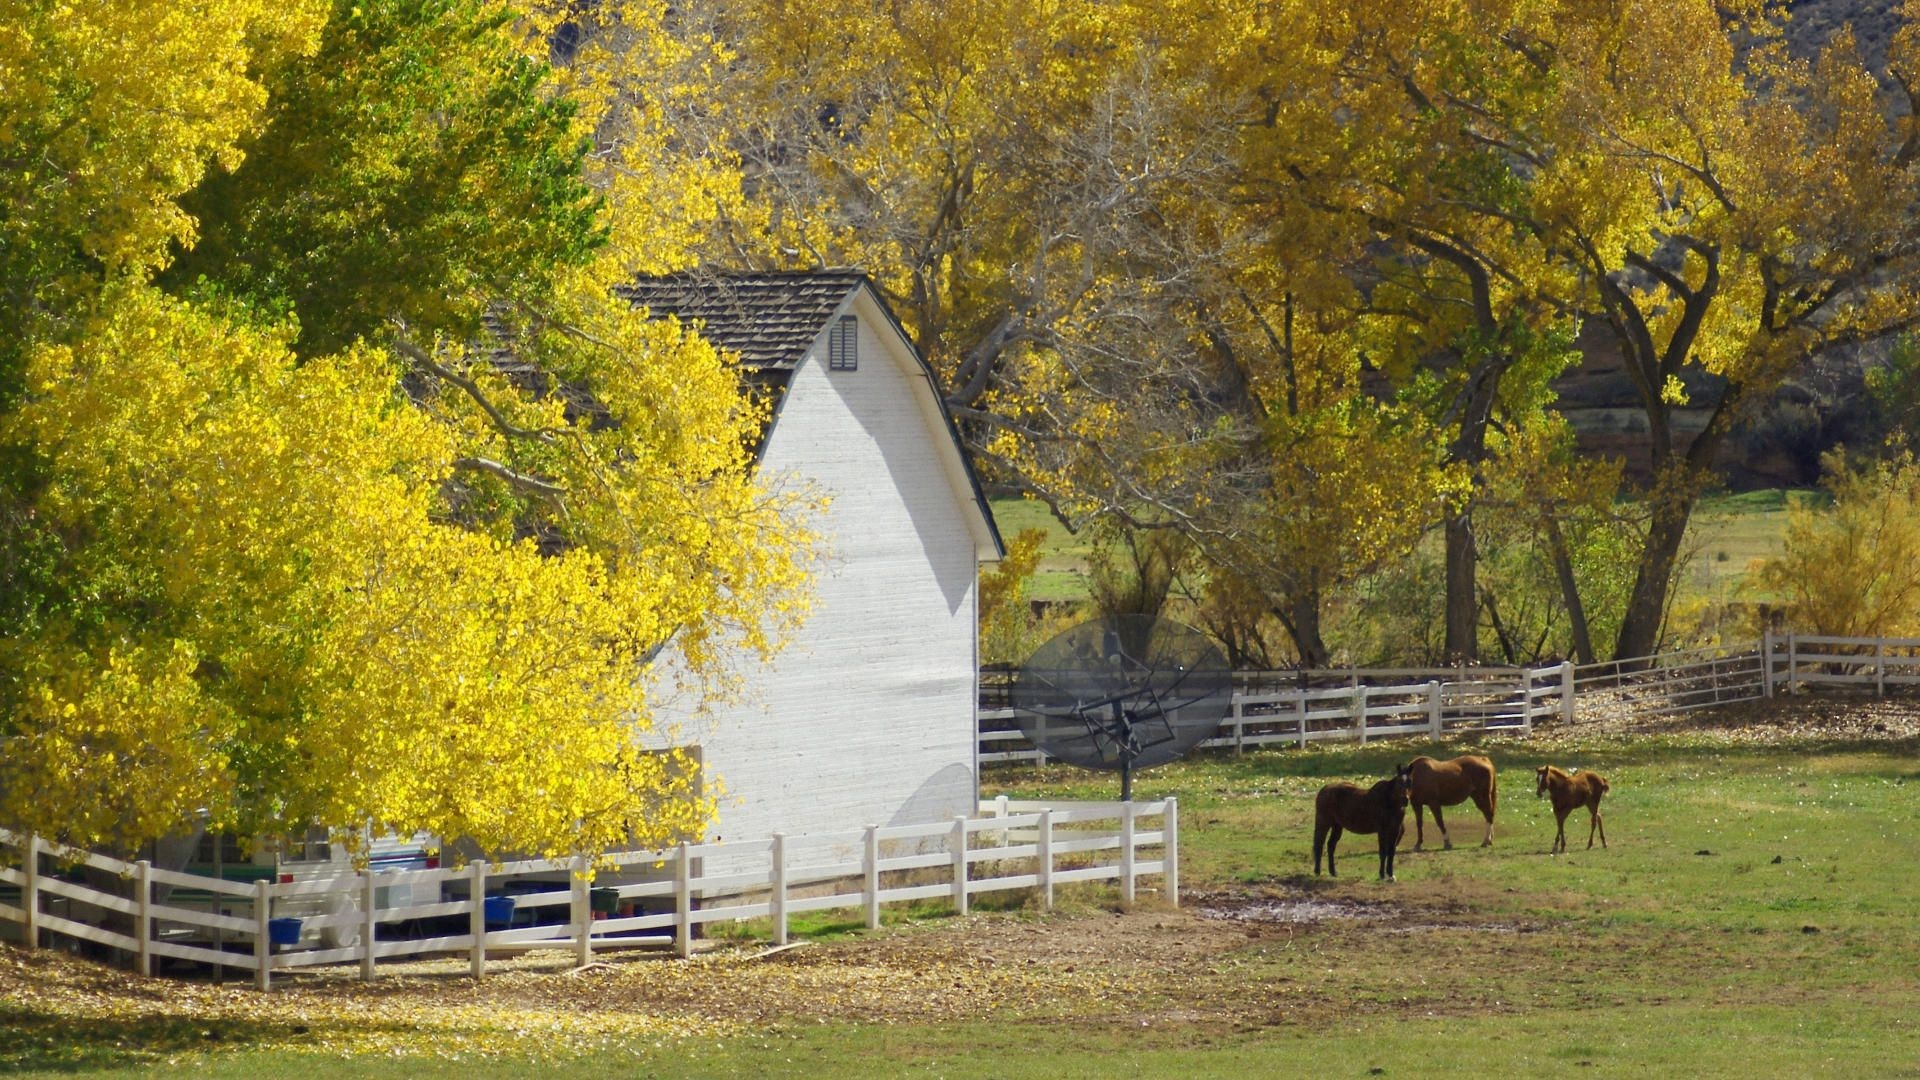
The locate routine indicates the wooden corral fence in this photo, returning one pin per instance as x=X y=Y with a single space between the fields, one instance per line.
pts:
x=144 y=915
x=1361 y=704
x=1360 y=708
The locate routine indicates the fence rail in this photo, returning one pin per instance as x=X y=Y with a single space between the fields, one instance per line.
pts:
x=1512 y=700
x=1500 y=700
x=625 y=900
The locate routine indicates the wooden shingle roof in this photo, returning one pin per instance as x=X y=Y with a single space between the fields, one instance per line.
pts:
x=769 y=319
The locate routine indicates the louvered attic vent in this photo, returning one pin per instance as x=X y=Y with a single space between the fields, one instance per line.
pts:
x=843 y=345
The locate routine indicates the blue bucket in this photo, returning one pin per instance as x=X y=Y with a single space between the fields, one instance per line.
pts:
x=283 y=931
x=499 y=910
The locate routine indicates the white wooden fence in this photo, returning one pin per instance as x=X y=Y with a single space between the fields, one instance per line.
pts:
x=644 y=898
x=1807 y=661
x=1512 y=700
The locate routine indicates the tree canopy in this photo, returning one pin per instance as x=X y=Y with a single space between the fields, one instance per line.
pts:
x=289 y=538
x=1131 y=235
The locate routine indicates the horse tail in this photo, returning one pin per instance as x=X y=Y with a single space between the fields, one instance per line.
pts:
x=1493 y=793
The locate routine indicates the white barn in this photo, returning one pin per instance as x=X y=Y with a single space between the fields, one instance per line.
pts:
x=868 y=717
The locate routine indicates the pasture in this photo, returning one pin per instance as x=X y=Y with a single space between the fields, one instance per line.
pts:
x=1754 y=916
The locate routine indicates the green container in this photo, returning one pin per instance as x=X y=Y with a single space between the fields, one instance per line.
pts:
x=605 y=901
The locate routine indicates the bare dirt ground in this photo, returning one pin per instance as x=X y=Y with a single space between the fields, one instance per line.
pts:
x=1215 y=960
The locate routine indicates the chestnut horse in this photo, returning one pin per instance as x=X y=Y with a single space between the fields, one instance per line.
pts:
x=1569 y=791
x=1449 y=783
x=1380 y=809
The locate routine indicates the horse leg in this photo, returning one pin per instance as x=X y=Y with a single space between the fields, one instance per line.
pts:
x=1485 y=805
x=1319 y=841
x=1389 y=843
x=1445 y=837
x=1594 y=823
x=1333 y=841
x=1560 y=838
x=1492 y=805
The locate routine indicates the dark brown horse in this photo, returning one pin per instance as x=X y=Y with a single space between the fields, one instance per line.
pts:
x=1449 y=783
x=1380 y=809
x=1569 y=791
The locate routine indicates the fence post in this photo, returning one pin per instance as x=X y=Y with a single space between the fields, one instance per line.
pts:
x=1766 y=661
x=582 y=913
x=779 y=901
x=1046 y=859
x=1879 y=667
x=1126 y=853
x=1239 y=727
x=367 y=924
x=1170 y=849
x=30 y=894
x=870 y=866
x=1569 y=698
x=1360 y=710
x=959 y=846
x=477 y=918
x=1793 y=649
x=682 y=903
x=1000 y=811
x=262 y=940
x=143 y=913
x=1434 y=724
x=1300 y=714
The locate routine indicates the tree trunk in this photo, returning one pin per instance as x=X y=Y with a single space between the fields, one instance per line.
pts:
x=1570 y=592
x=1653 y=580
x=1678 y=480
x=1463 y=607
x=1302 y=620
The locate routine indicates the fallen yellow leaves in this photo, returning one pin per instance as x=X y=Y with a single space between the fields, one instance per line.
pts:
x=540 y=1007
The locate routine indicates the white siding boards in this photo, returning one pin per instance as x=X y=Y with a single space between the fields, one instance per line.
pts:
x=868 y=717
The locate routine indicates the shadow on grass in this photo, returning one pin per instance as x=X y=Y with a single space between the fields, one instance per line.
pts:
x=32 y=1041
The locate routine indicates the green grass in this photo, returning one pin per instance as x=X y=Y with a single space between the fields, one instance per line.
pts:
x=1062 y=572
x=1691 y=1041
x=1752 y=917
x=1729 y=534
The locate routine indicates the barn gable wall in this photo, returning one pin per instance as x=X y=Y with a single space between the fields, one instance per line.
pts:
x=868 y=717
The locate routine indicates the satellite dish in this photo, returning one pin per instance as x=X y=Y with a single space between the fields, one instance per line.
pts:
x=1124 y=692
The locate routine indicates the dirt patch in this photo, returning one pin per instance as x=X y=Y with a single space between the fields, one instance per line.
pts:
x=1294 y=910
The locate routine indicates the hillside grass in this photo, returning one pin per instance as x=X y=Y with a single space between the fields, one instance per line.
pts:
x=1729 y=535
x=1061 y=576
x=1753 y=916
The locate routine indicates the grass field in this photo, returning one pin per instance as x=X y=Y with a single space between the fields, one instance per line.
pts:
x=1754 y=916
x=1729 y=533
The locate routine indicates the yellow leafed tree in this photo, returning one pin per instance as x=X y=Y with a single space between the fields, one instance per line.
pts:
x=396 y=575
x=1852 y=569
